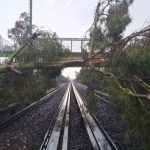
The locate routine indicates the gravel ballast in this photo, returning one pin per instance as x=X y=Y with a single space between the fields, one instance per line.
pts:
x=78 y=137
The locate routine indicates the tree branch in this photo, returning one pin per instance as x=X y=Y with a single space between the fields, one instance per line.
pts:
x=34 y=36
x=126 y=90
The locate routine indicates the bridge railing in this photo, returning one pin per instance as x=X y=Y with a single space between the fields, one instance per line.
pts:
x=75 y=45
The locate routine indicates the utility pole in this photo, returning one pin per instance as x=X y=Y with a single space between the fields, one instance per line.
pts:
x=30 y=16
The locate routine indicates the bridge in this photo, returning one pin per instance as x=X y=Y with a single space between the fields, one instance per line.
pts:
x=81 y=41
x=77 y=56
x=75 y=45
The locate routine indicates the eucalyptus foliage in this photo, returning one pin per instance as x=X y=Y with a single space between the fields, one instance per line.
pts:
x=126 y=65
x=34 y=73
x=44 y=49
x=41 y=49
x=29 y=87
x=20 y=32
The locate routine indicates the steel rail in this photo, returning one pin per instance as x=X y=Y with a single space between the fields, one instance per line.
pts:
x=96 y=91
x=99 y=92
x=99 y=140
x=66 y=129
x=104 y=100
x=100 y=98
x=30 y=107
x=51 y=139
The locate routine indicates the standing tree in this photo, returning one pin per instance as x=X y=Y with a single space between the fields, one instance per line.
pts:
x=21 y=31
x=40 y=48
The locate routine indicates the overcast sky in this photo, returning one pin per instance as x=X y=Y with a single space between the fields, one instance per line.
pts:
x=68 y=18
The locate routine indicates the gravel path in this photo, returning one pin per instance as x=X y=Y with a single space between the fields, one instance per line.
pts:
x=28 y=131
x=111 y=121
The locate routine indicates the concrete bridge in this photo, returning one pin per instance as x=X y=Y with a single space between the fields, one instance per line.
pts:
x=77 y=56
x=77 y=60
x=73 y=59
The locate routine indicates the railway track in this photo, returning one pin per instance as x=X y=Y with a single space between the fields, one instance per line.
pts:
x=70 y=125
x=30 y=107
x=101 y=95
x=58 y=134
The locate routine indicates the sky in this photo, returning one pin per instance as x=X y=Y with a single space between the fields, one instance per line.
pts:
x=68 y=18
x=70 y=72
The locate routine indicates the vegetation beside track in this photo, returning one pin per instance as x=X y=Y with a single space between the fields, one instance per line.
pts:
x=125 y=72
x=25 y=88
x=25 y=76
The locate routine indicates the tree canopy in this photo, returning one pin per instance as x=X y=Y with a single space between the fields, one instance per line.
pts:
x=125 y=71
x=20 y=32
x=40 y=48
